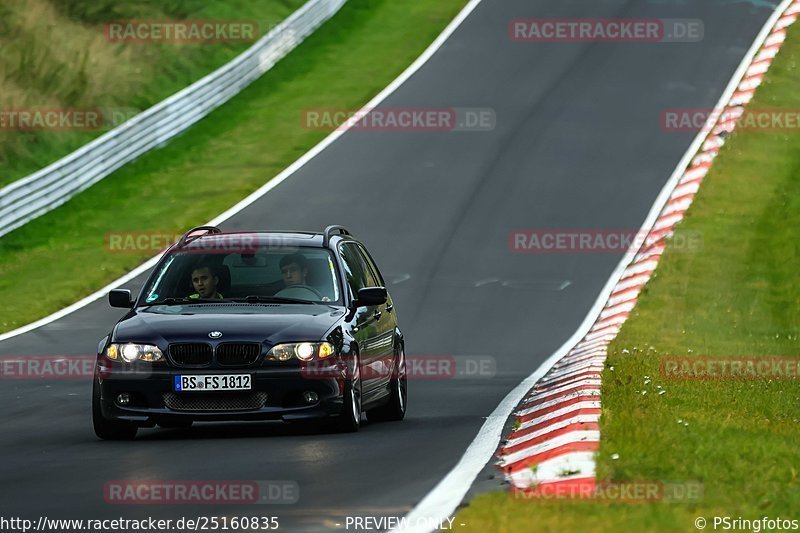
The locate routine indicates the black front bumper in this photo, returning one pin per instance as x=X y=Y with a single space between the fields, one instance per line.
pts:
x=150 y=387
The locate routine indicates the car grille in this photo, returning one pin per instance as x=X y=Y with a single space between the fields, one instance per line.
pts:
x=218 y=401
x=190 y=354
x=238 y=354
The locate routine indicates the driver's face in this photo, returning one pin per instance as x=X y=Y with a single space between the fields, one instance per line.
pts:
x=293 y=274
x=204 y=283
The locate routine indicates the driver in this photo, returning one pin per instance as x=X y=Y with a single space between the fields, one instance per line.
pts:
x=294 y=269
x=205 y=283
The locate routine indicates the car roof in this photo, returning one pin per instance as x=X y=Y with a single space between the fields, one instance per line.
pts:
x=256 y=239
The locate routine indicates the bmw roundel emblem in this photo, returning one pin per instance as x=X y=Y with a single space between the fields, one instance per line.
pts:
x=215 y=334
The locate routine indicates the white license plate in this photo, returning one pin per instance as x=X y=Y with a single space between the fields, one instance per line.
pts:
x=201 y=382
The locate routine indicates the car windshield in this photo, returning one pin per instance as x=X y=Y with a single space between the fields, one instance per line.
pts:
x=280 y=275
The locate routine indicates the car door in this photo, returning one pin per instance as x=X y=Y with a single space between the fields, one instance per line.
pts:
x=385 y=323
x=358 y=276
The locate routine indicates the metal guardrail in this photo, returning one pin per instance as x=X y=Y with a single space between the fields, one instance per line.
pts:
x=46 y=189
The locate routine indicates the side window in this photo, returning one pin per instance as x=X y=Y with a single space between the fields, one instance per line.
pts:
x=376 y=273
x=369 y=276
x=355 y=272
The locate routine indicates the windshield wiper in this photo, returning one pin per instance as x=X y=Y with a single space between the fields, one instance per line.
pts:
x=256 y=299
x=251 y=299
x=180 y=301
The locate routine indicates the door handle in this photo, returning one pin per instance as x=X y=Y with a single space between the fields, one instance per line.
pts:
x=389 y=308
x=378 y=315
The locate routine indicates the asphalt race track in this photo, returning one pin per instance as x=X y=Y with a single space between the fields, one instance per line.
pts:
x=578 y=144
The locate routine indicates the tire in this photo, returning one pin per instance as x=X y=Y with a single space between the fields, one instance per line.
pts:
x=109 y=429
x=349 y=419
x=395 y=409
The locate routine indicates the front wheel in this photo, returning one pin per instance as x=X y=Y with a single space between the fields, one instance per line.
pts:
x=395 y=408
x=349 y=419
x=109 y=429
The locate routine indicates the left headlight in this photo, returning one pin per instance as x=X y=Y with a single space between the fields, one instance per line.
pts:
x=304 y=351
x=130 y=352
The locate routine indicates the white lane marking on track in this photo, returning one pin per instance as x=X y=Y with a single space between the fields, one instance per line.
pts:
x=445 y=497
x=400 y=279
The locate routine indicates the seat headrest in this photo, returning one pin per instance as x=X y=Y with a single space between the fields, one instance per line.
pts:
x=224 y=275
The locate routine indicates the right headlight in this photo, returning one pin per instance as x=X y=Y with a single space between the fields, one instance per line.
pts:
x=130 y=352
x=304 y=351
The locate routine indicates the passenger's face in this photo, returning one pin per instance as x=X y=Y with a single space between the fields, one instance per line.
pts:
x=293 y=274
x=204 y=283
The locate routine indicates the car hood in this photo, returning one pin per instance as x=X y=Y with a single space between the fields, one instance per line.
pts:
x=162 y=325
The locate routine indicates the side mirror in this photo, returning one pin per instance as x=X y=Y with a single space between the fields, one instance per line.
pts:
x=371 y=296
x=120 y=298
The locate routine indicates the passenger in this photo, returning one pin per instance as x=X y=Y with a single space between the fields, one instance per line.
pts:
x=205 y=283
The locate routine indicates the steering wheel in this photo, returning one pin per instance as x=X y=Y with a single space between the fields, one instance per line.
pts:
x=303 y=290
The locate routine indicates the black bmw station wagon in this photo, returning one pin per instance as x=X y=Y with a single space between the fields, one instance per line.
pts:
x=253 y=326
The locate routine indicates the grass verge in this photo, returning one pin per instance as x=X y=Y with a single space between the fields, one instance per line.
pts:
x=62 y=256
x=739 y=296
x=56 y=56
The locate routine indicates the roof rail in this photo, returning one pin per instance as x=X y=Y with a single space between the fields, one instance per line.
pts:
x=189 y=236
x=329 y=231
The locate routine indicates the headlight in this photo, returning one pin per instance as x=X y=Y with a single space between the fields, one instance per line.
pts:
x=130 y=352
x=304 y=351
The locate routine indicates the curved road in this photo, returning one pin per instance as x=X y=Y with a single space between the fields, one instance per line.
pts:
x=578 y=144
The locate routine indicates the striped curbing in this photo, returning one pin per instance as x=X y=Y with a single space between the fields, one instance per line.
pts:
x=557 y=430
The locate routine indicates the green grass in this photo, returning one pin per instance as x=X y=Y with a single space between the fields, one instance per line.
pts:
x=55 y=56
x=61 y=256
x=738 y=296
